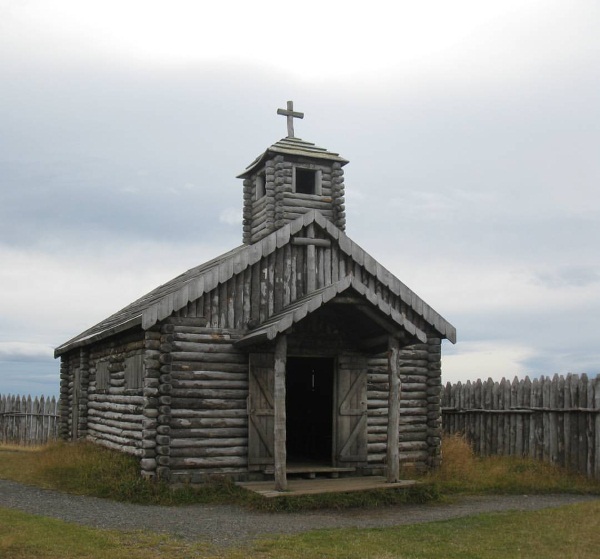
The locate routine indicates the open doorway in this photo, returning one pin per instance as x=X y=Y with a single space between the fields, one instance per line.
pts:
x=309 y=409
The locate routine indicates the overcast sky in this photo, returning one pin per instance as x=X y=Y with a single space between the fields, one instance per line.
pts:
x=472 y=130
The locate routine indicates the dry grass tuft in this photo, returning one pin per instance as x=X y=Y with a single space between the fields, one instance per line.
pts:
x=464 y=472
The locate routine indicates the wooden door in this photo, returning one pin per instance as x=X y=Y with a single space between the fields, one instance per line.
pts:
x=351 y=404
x=261 y=411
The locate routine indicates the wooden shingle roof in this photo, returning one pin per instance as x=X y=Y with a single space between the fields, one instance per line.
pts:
x=189 y=286
x=293 y=146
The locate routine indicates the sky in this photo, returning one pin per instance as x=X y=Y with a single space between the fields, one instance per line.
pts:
x=472 y=130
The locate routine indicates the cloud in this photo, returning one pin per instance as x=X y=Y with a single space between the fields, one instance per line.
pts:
x=482 y=360
x=569 y=276
x=231 y=216
x=24 y=351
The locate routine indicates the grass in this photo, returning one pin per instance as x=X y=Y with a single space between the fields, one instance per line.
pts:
x=91 y=470
x=462 y=472
x=569 y=532
x=87 y=469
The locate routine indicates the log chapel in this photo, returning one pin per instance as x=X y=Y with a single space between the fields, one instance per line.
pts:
x=294 y=353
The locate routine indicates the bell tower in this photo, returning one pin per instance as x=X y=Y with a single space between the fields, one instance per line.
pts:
x=290 y=178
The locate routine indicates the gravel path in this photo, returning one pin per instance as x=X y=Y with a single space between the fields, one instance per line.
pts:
x=228 y=525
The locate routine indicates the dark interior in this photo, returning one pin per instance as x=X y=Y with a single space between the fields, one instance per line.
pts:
x=309 y=403
x=305 y=181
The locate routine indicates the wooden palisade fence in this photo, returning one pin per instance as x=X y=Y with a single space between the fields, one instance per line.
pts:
x=26 y=421
x=552 y=419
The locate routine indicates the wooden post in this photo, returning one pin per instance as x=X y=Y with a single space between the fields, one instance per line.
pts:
x=393 y=458
x=280 y=423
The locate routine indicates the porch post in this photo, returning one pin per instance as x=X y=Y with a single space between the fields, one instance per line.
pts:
x=280 y=425
x=393 y=458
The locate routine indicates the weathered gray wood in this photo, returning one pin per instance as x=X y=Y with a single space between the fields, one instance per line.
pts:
x=393 y=460
x=307 y=241
x=290 y=115
x=280 y=414
x=261 y=411
x=351 y=403
x=554 y=419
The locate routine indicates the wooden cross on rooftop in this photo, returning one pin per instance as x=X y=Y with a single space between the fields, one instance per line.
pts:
x=291 y=115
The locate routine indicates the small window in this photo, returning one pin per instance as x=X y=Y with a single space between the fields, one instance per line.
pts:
x=102 y=376
x=260 y=187
x=134 y=372
x=306 y=181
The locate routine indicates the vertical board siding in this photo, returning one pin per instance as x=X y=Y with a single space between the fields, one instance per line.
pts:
x=555 y=419
x=27 y=421
x=281 y=278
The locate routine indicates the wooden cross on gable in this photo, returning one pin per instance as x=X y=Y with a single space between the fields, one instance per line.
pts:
x=291 y=115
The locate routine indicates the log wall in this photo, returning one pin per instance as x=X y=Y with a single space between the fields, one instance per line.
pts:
x=419 y=433
x=280 y=204
x=111 y=415
x=200 y=426
x=552 y=419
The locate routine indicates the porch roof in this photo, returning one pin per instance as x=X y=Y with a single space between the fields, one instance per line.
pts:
x=298 y=310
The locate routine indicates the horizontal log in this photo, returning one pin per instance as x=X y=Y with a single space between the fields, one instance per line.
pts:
x=413 y=371
x=412 y=411
x=412 y=379
x=210 y=384
x=376 y=420
x=377 y=428
x=197 y=443
x=206 y=366
x=212 y=413
x=412 y=436
x=206 y=452
x=375 y=395
x=121 y=431
x=194 y=347
x=223 y=432
x=304 y=241
x=213 y=404
x=209 y=376
x=132 y=399
x=122 y=408
x=208 y=422
x=195 y=356
x=212 y=462
x=377 y=403
x=407 y=404
x=126 y=417
x=115 y=438
x=410 y=446
x=374 y=448
x=203 y=338
x=412 y=419
x=222 y=393
x=116 y=446
x=233 y=334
